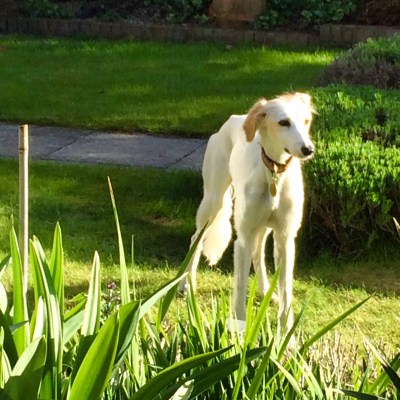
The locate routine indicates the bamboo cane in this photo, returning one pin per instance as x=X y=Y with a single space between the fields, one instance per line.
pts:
x=23 y=148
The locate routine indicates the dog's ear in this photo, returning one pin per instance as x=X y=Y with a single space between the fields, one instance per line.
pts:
x=254 y=117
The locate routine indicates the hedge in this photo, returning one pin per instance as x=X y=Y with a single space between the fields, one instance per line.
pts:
x=353 y=182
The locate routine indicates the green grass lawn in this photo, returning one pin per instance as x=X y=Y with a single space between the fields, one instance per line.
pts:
x=158 y=208
x=171 y=89
x=185 y=89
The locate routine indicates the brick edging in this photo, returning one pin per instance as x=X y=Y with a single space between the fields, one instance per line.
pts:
x=339 y=35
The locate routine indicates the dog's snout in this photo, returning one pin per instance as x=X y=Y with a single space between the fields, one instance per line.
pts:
x=307 y=150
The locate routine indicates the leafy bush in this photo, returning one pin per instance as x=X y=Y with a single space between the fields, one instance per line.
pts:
x=45 y=9
x=354 y=180
x=375 y=62
x=305 y=13
x=164 y=10
x=181 y=10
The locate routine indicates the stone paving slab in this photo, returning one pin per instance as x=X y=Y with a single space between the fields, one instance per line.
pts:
x=83 y=146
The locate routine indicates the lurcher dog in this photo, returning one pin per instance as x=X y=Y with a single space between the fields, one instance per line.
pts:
x=252 y=167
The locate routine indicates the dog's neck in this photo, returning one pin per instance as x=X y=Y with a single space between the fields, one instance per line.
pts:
x=272 y=165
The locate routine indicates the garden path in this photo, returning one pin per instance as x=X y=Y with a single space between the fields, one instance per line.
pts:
x=85 y=146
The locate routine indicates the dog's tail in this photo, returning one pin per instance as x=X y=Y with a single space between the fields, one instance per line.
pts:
x=218 y=234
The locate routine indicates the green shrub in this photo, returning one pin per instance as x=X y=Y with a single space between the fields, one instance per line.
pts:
x=305 y=13
x=166 y=10
x=45 y=9
x=181 y=10
x=353 y=183
x=375 y=62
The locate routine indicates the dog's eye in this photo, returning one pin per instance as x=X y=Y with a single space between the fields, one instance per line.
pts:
x=284 y=122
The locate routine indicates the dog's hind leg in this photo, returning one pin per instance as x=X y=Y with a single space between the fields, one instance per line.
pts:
x=215 y=208
x=215 y=213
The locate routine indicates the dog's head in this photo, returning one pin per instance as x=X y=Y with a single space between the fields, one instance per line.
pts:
x=284 y=121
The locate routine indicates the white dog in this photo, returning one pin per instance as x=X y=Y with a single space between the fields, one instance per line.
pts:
x=254 y=160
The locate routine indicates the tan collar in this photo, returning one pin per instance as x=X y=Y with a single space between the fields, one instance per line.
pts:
x=272 y=165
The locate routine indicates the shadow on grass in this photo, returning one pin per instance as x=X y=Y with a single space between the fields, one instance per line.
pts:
x=158 y=208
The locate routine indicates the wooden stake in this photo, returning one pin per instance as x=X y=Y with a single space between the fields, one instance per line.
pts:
x=23 y=148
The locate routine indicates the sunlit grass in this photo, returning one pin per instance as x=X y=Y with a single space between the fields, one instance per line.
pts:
x=158 y=208
x=166 y=89
x=152 y=87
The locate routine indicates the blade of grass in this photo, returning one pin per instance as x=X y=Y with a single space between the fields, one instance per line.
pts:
x=95 y=371
x=382 y=380
x=254 y=327
x=91 y=319
x=166 y=302
x=51 y=382
x=39 y=320
x=284 y=345
x=292 y=381
x=5 y=262
x=259 y=376
x=165 y=290
x=306 y=373
x=8 y=344
x=72 y=326
x=22 y=335
x=56 y=267
x=155 y=385
x=391 y=373
x=26 y=376
x=361 y=396
x=330 y=326
x=125 y=294
x=129 y=317
x=207 y=377
x=249 y=332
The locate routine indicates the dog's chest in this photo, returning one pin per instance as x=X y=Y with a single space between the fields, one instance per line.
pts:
x=260 y=203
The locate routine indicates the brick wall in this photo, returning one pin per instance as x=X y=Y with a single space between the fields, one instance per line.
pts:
x=338 y=35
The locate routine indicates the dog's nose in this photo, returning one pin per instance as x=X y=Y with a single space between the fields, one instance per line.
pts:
x=307 y=150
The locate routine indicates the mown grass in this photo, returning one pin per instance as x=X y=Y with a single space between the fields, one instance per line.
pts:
x=158 y=208
x=171 y=89
x=185 y=89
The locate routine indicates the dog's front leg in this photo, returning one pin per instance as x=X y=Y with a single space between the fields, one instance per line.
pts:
x=242 y=262
x=284 y=249
x=259 y=262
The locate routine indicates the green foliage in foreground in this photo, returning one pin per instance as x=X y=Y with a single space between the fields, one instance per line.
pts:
x=50 y=352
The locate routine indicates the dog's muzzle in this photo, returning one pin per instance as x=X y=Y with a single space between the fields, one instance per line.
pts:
x=307 y=151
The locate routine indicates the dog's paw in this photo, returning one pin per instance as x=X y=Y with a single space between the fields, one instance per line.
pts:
x=274 y=298
x=183 y=290
x=235 y=325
